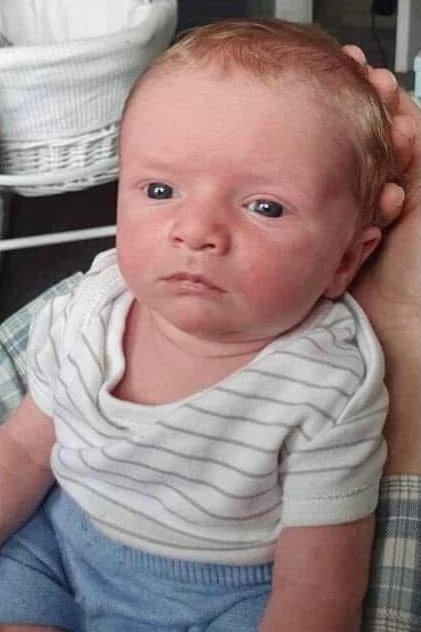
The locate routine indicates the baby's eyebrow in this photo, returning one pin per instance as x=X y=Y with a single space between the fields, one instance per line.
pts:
x=156 y=162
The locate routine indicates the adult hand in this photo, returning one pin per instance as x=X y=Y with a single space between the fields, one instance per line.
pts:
x=389 y=286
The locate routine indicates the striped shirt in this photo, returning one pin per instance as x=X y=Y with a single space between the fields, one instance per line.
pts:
x=292 y=438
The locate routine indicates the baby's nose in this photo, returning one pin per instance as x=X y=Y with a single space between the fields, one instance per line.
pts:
x=201 y=229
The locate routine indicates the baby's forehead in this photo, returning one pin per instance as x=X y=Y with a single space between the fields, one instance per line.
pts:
x=164 y=81
x=168 y=95
x=156 y=111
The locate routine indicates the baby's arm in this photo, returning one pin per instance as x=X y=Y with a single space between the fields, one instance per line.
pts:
x=320 y=578
x=26 y=440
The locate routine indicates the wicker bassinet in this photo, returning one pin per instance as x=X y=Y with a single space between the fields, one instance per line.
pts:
x=66 y=68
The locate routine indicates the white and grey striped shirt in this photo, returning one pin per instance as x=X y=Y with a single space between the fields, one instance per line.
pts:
x=292 y=438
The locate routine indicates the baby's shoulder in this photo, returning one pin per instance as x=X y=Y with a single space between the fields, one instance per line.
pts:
x=97 y=288
x=64 y=317
x=336 y=339
x=331 y=363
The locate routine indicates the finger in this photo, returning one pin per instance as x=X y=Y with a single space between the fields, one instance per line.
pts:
x=356 y=53
x=391 y=203
x=386 y=86
x=383 y=80
x=403 y=136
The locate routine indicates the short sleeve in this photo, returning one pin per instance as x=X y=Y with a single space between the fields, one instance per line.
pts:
x=45 y=350
x=14 y=332
x=333 y=477
x=330 y=472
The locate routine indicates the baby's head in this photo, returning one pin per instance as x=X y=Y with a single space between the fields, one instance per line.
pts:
x=253 y=155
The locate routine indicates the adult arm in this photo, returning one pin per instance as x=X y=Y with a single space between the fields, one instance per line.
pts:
x=389 y=289
x=26 y=440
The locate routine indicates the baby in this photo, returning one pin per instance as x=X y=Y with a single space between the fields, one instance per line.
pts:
x=208 y=398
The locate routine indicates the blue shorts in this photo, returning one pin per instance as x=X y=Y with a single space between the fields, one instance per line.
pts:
x=59 y=570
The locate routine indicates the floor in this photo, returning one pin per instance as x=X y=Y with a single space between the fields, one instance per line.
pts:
x=25 y=273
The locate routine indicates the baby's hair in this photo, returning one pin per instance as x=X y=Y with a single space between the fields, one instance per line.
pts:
x=269 y=49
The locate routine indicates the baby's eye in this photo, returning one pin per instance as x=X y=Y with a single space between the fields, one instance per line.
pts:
x=268 y=208
x=159 y=191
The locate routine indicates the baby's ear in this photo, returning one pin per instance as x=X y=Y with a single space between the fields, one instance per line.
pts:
x=361 y=247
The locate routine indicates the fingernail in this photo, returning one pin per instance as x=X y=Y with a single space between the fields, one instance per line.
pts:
x=394 y=81
x=400 y=196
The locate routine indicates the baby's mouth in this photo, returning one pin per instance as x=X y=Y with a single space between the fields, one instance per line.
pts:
x=193 y=281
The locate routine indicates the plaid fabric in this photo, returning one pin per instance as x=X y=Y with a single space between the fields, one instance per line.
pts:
x=393 y=602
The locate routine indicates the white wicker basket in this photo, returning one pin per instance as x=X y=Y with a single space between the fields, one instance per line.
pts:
x=61 y=101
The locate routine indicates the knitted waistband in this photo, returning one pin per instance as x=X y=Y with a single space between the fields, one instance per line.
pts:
x=65 y=514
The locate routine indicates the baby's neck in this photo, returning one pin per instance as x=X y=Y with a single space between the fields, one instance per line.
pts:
x=164 y=365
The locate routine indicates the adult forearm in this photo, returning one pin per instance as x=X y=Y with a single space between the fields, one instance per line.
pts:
x=403 y=379
x=311 y=613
